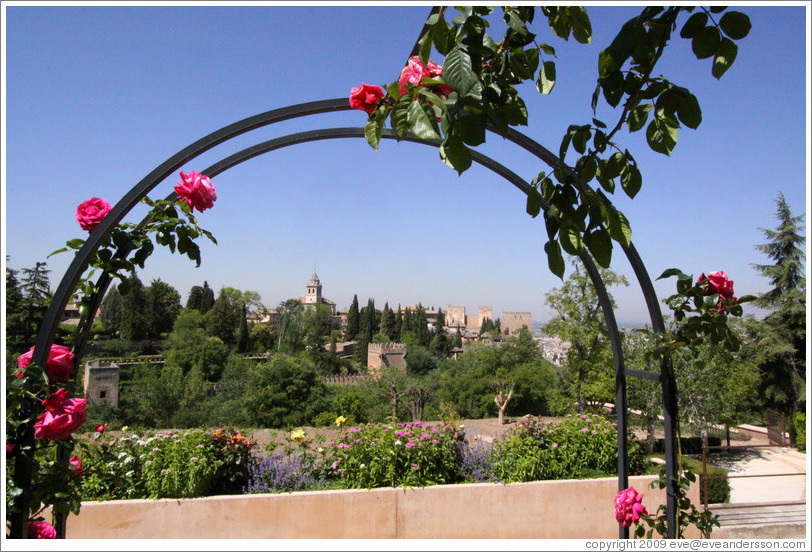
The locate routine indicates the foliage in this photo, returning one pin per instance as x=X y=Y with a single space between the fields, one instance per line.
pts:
x=579 y=446
x=395 y=454
x=780 y=340
x=687 y=513
x=476 y=89
x=162 y=308
x=587 y=375
x=798 y=425
x=164 y=465
x=718 y=489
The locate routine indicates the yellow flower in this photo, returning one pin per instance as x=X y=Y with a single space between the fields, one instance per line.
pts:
x=125 y=428
x=297 y=436
x=340 y=420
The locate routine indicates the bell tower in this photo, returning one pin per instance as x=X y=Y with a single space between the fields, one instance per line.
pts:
x=313 y=295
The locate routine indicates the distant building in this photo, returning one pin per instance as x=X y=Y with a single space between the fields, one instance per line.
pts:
x=554 y=349
x=514 y=321
x=314 y=296
x=101 y=382
x=380 y=355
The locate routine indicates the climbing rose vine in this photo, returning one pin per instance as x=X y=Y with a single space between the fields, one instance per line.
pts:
x=39 y=405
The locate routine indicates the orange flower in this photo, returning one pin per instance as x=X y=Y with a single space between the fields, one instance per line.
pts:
x=218 y=431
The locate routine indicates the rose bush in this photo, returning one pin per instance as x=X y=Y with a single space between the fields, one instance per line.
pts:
x=59 y=365
x=91 y=212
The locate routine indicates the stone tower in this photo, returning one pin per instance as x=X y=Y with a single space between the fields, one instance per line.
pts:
x=313 y=295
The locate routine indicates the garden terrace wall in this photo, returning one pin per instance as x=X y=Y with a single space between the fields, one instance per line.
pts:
x=567 y=509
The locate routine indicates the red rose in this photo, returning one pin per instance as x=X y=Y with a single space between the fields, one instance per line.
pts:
x=59 y=365
x=716 y=282
x=197 y=190
x=62 y=416
x=415 y=71
x=100 y=428
x=76 y=466
x=41 y=530
x=91 y=212
x=366 y=97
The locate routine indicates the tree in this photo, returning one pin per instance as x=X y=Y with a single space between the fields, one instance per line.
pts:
x=244 y=337
x=781 y=336
x=503 y=393
x=111 y=310
x=36 y=292
x=352 y=320
x=398 y=325
x=289 y=332
x=134 y=321
x=17 y=332
x=163 y=307
x=283 y=392
x=223 y=320
x=579 y=320
x=388 y=323
x=458 y=338
x=206 y=298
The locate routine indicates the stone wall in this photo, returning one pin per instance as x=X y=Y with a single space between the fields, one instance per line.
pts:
x=101 y=382
x=512 y=321
x=569 y=509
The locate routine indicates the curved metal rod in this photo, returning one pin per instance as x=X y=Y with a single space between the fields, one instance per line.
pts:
x=82 y=257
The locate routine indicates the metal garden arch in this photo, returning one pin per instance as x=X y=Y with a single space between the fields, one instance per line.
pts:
x=47 y=331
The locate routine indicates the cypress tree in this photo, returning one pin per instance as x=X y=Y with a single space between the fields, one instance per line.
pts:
x=206 y=299
x=352 y=320
x=398 y=325
x=388 y=322
x=244 y=338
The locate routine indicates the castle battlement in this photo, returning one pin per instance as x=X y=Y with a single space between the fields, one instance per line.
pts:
x=386 y=348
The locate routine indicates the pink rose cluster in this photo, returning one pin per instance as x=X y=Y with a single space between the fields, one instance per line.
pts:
x=197 y=190
x=629 y=507
x=62 y=416
x=59 y=365
x=91 y=212
x=415 y=71
x=41 y=530
x=718 y=283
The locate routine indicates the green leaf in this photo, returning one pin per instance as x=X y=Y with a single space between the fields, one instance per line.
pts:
x=455 y=154
x=373 y=129
x=689 y=112
x=633 y=183
x=660 y=136
x=124 y=287
x=546 y=79
x=694 y=24
x=638 y=117
x=566 y=141
x=615 y=165
x=458 y=73
x=581 y=26
x=394 y=90
x=554 y=258
x=619 y=228
x=613 y=87
x=441 y=37
x=52 y=253
x=571 y=240
x=533 y=202
x=717 y=9
x=600 y=245
x=672 y=272
x=725 y=56
x=580 y=138
x=586 y=166
x=421 y=120
x=706 y=42
x=470 y=128
x=400 y=116
x=547 y=49
x=735 y=24
x=612 y=58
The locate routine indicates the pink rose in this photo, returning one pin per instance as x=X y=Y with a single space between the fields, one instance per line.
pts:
x=76 y=466
x=91 y=212
x=62 y=416
x=415 y=71
x=366 y=97
x=41 y=530
x=197 y=190
x=629 y=507
x=100 y=428
x=716 y=282
x=59 y=365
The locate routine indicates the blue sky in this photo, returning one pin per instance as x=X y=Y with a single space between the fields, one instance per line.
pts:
x=97 y=96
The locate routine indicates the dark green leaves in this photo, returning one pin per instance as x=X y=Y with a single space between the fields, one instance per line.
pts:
x=638 y=117
x=421 y=120
x=455 y=154
x=662 y=133
x=705 y=43
x=373 y=129
x=725 y=56
x=694 y=24
x=735 y=24
x=554 y=258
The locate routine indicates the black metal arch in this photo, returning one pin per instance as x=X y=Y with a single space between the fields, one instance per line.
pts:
x=170 y=166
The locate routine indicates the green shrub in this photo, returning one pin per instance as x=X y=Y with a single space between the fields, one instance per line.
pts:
x=718 y=489
x=580 y=446
x=165 y=465
x=798 y=426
